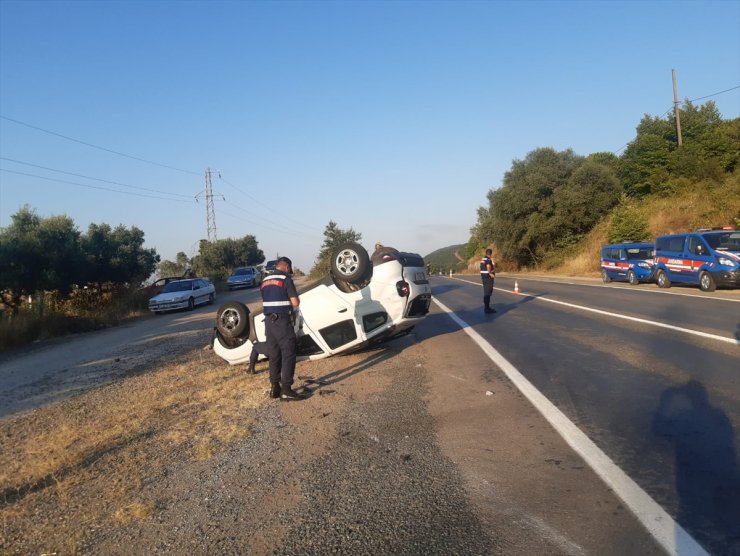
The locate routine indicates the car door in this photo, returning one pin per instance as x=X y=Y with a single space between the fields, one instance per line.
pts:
x=698 y=256
x=330 y=318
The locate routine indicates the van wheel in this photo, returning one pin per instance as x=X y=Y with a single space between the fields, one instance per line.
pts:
x=706 y=282
x=605 y=276
x=232 y=320
x=632 y=278
x=662 y=279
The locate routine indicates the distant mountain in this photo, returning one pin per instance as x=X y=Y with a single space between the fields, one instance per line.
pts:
x=442 y=260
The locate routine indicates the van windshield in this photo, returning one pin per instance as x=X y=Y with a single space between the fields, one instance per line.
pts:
x=640 y=254
x=729 y=241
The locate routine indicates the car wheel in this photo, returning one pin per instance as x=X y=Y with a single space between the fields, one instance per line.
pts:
x=605 y=276
x=351 y=263
x=706 y=282
x=662 y=279
x=191 y=304
x=348 y=287
x=210 y=299
x=632 y=278
x=232 y=320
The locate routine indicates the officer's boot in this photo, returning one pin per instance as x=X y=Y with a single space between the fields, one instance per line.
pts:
x=487 y=304
x=275 y=390
x=251 y=368
x=287 y=394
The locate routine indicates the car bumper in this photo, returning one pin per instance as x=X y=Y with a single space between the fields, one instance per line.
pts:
x=171 y=306
x=727 y=278
x=233 y=285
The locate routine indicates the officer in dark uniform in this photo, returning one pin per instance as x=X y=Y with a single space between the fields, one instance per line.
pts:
x=279 y=300
x=487 y=275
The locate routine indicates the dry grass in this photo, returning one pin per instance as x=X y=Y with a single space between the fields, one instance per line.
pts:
x=700 y=205
x=93 y=452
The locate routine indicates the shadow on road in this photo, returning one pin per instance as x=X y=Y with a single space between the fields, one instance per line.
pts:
x=706 y=467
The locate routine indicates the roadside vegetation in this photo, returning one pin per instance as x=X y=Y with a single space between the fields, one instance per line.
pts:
x=555 y=209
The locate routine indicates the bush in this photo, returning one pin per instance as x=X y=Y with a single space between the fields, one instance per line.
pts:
x=628 y=225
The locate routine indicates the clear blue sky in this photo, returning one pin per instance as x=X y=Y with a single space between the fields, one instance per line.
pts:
x=392 y=118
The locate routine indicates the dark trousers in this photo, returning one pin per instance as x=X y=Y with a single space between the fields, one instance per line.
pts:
x=281 y=346
x=487 y=291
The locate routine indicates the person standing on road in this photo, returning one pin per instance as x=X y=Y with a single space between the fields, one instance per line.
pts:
x=487 y=275
x=279 y=300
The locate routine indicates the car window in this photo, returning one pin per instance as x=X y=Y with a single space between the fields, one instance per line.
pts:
x=374 y=320
x=696 y=246
x=181 y=286
x=339 y=334
x=639 y=253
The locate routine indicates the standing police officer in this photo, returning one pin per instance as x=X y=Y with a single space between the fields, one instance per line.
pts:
x=487 y=275
x=279 y=299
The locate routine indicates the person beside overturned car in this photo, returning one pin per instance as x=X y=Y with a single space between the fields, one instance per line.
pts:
x=487 y=275
x=279 y=300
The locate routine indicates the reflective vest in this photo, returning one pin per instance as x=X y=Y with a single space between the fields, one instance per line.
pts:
x=274 y=295
x=484 y=262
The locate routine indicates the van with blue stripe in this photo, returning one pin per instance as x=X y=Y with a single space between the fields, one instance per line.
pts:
x=627 y=262
x=708 y=258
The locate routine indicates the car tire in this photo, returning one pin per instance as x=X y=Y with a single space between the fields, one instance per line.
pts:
x=351 y=263
x=632 y=278
x=605 y=276
x=661 y=278
x=348 y=287
x=232 y=320
x=191 y=304
x=706 y=282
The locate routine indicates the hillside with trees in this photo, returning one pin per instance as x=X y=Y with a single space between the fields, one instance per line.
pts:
x=554 y=207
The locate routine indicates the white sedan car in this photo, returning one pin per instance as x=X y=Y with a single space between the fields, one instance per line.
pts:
x=183 y=294
x=363 y=301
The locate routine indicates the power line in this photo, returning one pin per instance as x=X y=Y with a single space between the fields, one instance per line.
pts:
x=94 y=179
x=92 y=186
x=667 y=112
x=261 y=203
x=97 y=146
x=266 y=226
x=282 y=228
x=715 y=94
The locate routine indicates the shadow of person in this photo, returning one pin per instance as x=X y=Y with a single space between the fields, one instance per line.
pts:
x=707 y=480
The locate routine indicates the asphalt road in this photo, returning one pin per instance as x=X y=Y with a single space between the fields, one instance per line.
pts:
x=658 y=392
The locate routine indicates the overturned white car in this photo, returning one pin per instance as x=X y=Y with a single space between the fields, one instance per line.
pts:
x=363 y=301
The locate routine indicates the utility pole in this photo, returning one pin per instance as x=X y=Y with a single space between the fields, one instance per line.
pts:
x=675 y=109
x=210 y=211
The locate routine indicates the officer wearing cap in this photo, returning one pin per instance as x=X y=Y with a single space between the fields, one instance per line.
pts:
x=279 y=300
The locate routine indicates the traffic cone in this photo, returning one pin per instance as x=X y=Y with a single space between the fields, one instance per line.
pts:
x=516 y=287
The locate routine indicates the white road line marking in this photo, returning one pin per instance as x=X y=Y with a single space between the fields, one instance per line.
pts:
x=626 y=317
x=669 y=534
x=628 y=288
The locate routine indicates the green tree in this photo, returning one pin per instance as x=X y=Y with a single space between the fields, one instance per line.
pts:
x=40 y=253
x=590 y=193
x=216 y=259
x=117 y=255
x=519 y=216
x=628 y=224
x=334 y=236
x=174 y=268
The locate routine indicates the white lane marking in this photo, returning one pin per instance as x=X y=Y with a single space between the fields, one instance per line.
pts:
x=626 y=288
x=625 y=317
x=669 y=534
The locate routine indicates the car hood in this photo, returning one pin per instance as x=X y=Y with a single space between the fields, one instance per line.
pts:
x=170 y=296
